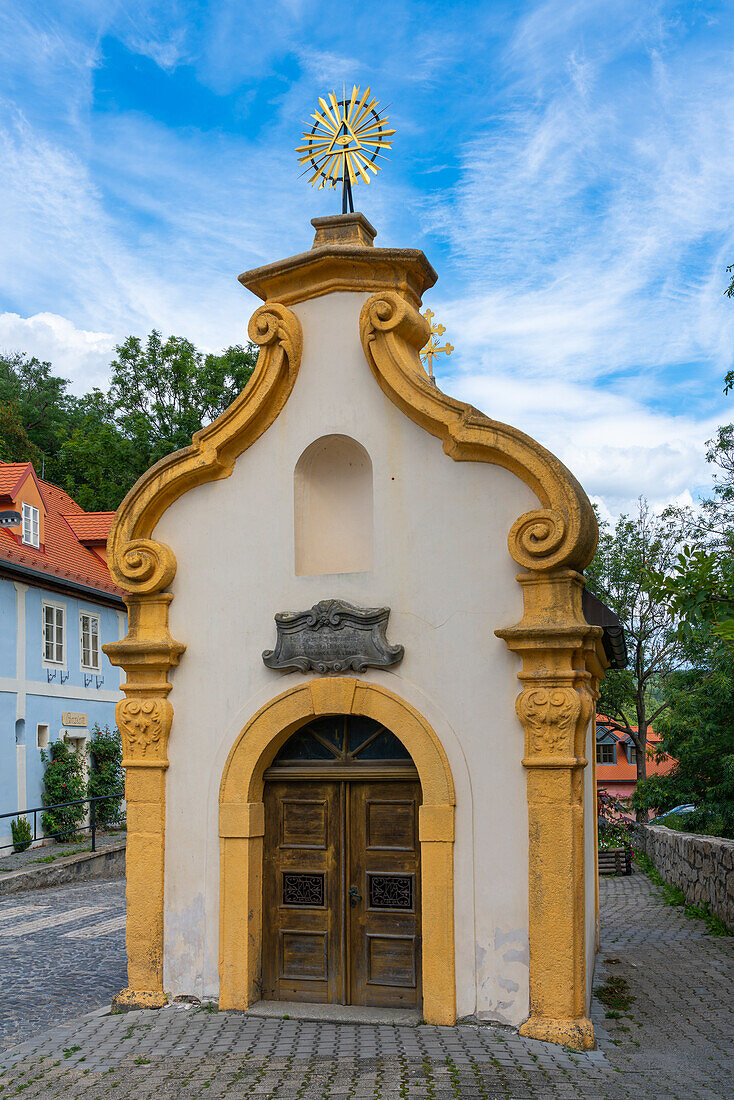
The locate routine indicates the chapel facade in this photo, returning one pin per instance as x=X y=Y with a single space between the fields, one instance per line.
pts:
x=358 y=724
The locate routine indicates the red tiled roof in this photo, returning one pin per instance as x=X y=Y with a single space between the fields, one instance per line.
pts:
x=67 y=527
x=11 y=473
x=90 y=526
x=622 y=770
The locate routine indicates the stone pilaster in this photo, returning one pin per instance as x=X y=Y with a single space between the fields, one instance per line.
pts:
x=144 y=718
x=555 y=707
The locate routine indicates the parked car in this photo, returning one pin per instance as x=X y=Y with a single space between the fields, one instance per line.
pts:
x=677 y=811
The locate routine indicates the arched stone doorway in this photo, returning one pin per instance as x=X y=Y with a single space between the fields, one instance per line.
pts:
x=341 y=867
x=242 y=828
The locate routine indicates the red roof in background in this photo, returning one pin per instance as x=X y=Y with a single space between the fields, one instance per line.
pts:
x=67 y=528
x=90 y=526
x=11 y=474
x=622 y=770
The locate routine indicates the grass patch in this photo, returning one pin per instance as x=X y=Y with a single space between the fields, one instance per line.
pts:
x=673 y=895
x=73 y=852
x=615 y=994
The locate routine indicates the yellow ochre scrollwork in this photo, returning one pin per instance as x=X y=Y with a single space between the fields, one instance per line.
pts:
x=563 y=531
x=141 y=565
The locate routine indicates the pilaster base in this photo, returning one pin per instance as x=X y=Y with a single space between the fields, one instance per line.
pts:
x=127 y=1000
x=577 y=1034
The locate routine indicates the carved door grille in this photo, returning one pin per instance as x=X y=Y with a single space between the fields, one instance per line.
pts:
x=302 y=889
x=391 y=891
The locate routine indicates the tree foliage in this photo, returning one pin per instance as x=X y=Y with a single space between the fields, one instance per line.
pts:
x=700 y=589
x=621 y=576
x=105 y=773
x=96 y=446
x=63 y=781
x=698 y=732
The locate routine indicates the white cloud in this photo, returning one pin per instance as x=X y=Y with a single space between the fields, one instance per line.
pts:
x=617 y=447
x=81 y=356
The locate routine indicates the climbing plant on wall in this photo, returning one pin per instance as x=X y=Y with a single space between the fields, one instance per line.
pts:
x=105 y=776
x=63 y=781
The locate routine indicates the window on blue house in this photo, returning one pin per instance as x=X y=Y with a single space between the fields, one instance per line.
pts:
x=89 y=640
x=54 y=642
x=30 y=525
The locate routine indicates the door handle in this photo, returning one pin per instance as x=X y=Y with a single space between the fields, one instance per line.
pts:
x=354 y=896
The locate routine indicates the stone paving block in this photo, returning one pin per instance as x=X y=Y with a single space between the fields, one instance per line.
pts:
x=683 y=1000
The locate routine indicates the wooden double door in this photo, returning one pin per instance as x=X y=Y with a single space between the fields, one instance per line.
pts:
x=341 y=885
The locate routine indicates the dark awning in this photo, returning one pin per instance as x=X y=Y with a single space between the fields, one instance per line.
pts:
x=597 y=613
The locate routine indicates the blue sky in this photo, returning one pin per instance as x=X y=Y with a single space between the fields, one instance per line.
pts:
x=566 y=166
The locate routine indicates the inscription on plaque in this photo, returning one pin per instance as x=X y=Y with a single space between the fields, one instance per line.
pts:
x=333 y=636
x=69 y=718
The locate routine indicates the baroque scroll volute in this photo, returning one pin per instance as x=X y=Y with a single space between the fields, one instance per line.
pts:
x=562 y=532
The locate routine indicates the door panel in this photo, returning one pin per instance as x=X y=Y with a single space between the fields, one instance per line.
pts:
x=385 y=908
x=341 y=892
x=303 y=892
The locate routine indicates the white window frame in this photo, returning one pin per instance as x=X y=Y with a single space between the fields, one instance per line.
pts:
x=91 y=615
x=52 y=662
x=31 y=525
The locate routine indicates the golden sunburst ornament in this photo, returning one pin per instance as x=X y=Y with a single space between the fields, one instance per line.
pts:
x=345 y=142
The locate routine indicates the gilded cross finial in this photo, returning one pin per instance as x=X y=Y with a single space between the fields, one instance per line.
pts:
x=430 y=350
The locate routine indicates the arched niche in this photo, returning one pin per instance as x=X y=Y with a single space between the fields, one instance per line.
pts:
x=333 y=507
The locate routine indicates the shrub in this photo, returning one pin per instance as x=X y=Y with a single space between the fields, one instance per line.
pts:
x=63 y=781
x=22 y=835
x=105 y=776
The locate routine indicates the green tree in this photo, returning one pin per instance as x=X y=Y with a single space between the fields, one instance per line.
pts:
x=164 y=391
x=15 y=443
x=700 y=588
x=37 y=413
x=698 y=732
x=161 y=393
x=100 y=464
x=621 y=575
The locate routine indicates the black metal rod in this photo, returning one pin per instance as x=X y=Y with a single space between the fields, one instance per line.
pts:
x=347 y=194
x=35 y=810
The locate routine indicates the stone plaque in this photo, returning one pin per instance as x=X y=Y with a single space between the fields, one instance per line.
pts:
x=332 y=637
x=68 y=718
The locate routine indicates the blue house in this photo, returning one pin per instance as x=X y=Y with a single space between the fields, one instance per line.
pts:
x=58 y=606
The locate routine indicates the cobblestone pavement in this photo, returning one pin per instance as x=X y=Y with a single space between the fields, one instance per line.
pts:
x=674 y=1042
x=62 y=953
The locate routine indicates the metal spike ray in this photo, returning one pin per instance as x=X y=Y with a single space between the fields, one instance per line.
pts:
x=345 y=142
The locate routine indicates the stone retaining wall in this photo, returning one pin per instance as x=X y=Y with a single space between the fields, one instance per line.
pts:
x=702 y=866
x=108 y=862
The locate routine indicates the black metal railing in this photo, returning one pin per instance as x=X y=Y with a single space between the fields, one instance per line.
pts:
x=70 y=830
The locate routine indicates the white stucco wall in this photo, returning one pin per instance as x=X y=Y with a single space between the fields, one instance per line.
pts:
x=440 y=563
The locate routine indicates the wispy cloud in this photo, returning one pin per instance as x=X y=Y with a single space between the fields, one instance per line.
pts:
x=566 y=167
